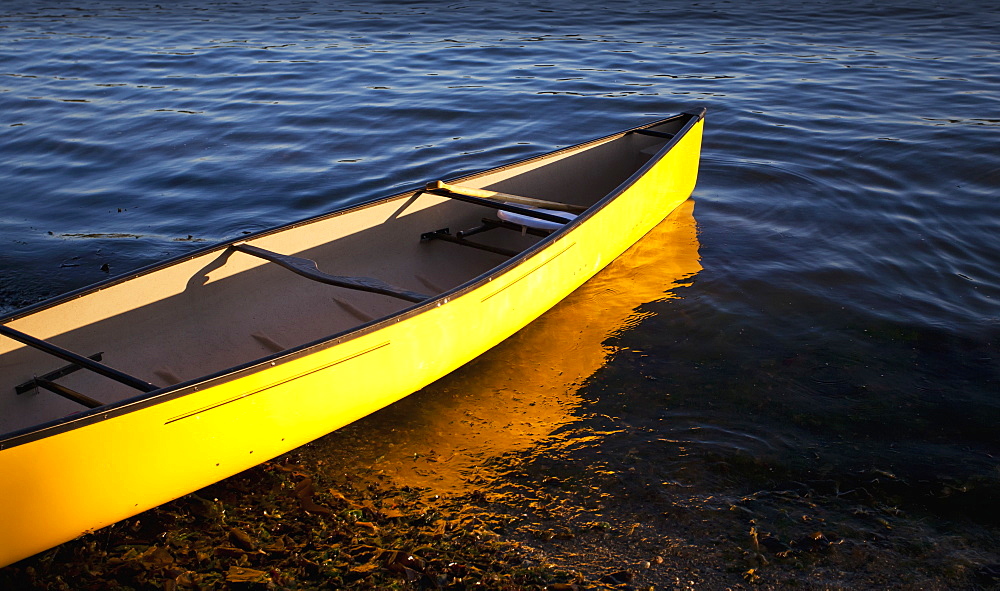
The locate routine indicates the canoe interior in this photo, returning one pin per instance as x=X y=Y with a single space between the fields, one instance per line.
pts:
x=221 y=308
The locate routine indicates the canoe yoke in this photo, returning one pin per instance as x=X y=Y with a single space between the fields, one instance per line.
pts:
x=77 y=361
x=523 y=208
x=308 y=269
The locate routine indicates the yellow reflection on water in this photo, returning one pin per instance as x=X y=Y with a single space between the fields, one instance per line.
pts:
x=520 y=392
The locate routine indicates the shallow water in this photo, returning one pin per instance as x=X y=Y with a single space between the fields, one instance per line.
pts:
x=828 y=314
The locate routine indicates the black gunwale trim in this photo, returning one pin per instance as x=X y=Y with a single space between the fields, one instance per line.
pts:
x=135 y=403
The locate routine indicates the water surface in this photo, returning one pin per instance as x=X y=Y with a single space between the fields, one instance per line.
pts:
x=824 y=319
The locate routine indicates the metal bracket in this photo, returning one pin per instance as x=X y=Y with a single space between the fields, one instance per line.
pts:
x=445 y=235
x=54 y=375
x=77 y=359
x=68 y=393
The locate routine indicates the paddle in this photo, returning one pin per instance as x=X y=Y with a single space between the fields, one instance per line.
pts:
x=497 y=196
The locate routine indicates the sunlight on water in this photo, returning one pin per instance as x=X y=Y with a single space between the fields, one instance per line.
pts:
x=448 y=436
x=835 y=358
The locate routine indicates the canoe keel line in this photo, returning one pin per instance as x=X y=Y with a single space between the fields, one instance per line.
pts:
x=234 y=354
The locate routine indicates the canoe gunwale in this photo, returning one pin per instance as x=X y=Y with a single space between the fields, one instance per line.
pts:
x=41 y=430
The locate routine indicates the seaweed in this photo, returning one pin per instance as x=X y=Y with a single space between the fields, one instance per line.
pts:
x=282 y=525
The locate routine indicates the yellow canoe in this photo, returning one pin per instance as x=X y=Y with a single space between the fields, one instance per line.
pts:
x=130 y=393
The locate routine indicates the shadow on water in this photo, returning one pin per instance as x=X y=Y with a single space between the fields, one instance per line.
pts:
x=661 y=414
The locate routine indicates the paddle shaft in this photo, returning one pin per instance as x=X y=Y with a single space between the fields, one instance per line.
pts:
x=497 y=196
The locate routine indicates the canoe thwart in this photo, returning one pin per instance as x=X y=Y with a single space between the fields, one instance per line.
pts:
x=501 y=205
x=446 y=235
x=308 y=269
x=650 y=132
x=77 y=359
x=497 y=196
x=54 y=375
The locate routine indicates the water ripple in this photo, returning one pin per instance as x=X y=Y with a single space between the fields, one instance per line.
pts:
x=847 y=202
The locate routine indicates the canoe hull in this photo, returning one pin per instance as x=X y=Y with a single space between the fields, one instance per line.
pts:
x=78 y=480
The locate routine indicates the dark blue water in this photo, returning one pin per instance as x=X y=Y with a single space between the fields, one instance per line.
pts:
x=839 y=331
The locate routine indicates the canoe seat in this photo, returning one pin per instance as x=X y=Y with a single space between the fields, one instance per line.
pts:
x=308 y=269
x=486 y=225
x=445 y=235
x=525 y=214
x=533 y=222
x=492 y=224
